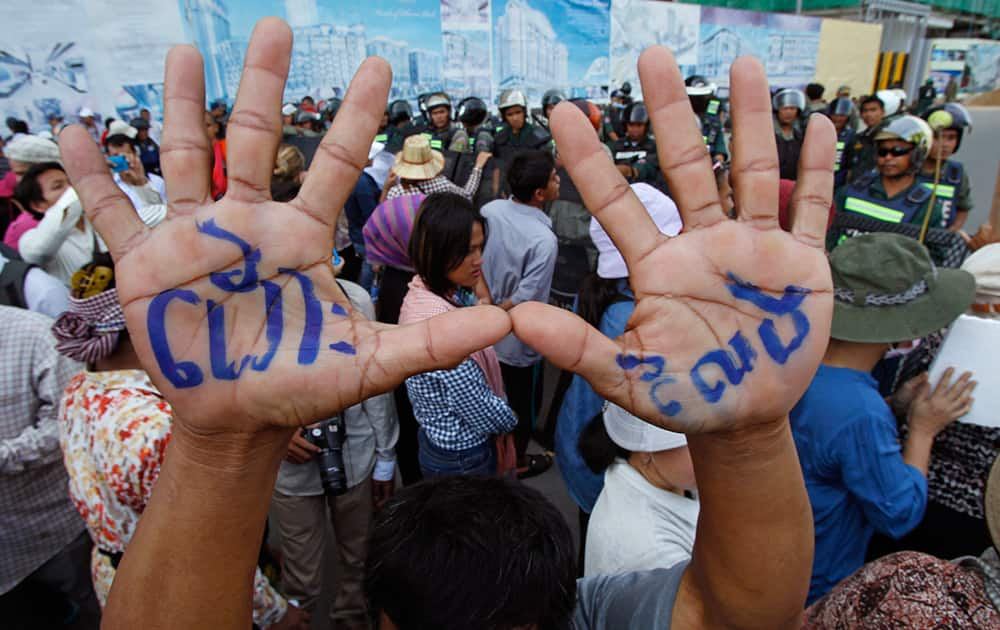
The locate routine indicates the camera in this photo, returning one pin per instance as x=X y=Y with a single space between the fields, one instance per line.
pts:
x=329 y=436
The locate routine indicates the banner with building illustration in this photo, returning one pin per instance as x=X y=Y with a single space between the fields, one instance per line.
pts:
x=465 y=37
x=974 y=64
x=540 y=45
x=639 y=24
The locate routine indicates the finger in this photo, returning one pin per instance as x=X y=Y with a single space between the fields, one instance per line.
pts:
x=956 y=388
x=185 y=154
x=683 y=155
x=755 y=172
x=605 y=192
x=944 y=382
x=813 y=193
x=344 y=150
x=105 y=205
x=967 y=390
x=440 y=342
x=254 y=127
x=568 y=342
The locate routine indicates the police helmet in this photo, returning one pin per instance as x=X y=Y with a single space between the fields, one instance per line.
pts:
x=305 y=116
x=512 y=98
x=789 y=97
x=960 y=118
x=697 y=85
x=890 y=98
x=617 y=94
x=636 y=113
x=627 y=88
x=399 y=111
x=139 y=123
x=840 y=106
x=437 y=99
x=910 y=129
x=551 y=98
x=332 y=106
x=472 y=111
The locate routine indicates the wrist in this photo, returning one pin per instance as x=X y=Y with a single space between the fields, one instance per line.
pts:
x=229 y=454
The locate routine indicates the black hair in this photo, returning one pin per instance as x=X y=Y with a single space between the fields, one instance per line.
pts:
x=17 y=126
x=596 y=446
x=120 y=140
x=596 y=295
x=815 y=91
x=471 y=552
x=108 y=121
x=871 y=98
x=29 y=190
x=528 y=172
x=439 y=243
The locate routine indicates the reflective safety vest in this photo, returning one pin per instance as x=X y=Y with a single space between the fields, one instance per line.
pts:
x=947 y=188
x=901 y=209
x=713 y=107
x=844 y=139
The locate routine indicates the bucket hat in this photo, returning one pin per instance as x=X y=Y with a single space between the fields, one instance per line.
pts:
x=417 y=160
x=887 y=289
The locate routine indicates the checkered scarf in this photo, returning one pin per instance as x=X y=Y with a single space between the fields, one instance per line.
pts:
x=89 y=330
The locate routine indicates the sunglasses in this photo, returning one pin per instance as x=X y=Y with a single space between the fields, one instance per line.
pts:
x=896 y=151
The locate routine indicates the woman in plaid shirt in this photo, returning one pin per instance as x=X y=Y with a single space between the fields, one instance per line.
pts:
x=462 y=409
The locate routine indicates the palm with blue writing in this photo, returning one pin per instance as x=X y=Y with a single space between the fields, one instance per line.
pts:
x=731 y=317
x=232 y=306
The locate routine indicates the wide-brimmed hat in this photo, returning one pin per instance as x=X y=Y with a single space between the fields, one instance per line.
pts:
x=887 y=289
x=418 y=160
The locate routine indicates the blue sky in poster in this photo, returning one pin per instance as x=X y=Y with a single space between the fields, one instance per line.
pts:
x=584 y=26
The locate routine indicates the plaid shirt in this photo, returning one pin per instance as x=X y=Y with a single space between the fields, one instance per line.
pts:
x=437 y=184
x=37 y=519
x=456 y=408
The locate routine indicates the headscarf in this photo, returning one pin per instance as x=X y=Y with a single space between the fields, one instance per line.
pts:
x=387 y=232
x=90 y=329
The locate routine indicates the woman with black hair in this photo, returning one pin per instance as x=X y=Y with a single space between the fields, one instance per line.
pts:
x=462 y=409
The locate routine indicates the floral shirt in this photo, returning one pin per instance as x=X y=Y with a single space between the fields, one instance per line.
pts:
x=115 y=427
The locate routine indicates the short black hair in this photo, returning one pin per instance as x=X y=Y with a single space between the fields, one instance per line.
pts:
x=528 y=172
x=29 y=191
x=120 y=140
x=815 y=91
x=17 y=126
x=871 y=98
x=597 y=448
x=439 y=243
x=471 y=552
x=108 y=121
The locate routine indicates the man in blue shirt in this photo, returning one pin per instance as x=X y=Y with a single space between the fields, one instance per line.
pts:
x=858 y=477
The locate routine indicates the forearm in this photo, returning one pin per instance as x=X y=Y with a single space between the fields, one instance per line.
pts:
x=754 y=544
x=201 y=530
x=960 y=218
x=35 y=446
x=917 y=450
x=472 y=185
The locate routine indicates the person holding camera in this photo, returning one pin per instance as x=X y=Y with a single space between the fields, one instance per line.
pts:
x=347 y=464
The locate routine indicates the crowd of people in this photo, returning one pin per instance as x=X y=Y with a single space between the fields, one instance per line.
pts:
x=306 y=316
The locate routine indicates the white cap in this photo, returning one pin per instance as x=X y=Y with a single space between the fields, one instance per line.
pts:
x=661 y=209
x=121 y=127
x=636 y=435
x=376 y=148
x=153 y=215
x=288 y=109
x=86 y=112
x=32 y=150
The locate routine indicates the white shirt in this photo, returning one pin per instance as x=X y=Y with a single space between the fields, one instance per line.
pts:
x=42 y=293
x=56 y=245
x=636 y=526
x=145 y=195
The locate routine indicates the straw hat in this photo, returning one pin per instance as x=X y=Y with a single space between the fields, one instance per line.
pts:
x=417 y=160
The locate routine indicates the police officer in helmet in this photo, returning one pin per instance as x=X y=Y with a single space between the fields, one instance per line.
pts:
x=400 y=126
x=953 y=189
x=550 y=99
x=701 y=93
x=444 y=134
x=892 y=192
x=839 y=111
x=635 y=153
x=515 y=134
x=473 y=114
x=788 y=130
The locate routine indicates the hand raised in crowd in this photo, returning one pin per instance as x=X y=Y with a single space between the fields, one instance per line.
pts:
x=232 y=306
x=482 y=159
x=933 y=410
x=731 y=317
x=135 y=174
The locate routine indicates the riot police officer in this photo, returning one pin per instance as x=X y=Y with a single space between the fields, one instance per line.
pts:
x=516 y=134
x=473 y=115
x=701 y=93
x=788 y=107
x=635 y=153
x=953 y=187
x=550 y=99
x=839 y=111
x=400 y=126
x=892 y=193
x=614 y=128
x=443 y=133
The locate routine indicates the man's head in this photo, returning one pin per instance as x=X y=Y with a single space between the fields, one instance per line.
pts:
x=532 y=178
x=515 y=117
x=788 y=105
x=40 y=187
x=952 y=119
x=844 y=91
x=218 y=108
x=872 y=110
x=839 y=111
x=86 y=117
x=17 y=126
x=814 y=91
x=513 y=108
x=902 y=146
x=894 y=158
x=439 y=109
x=636 y=121
x=55 y=119
x=146 y=115
x=468 y=552
x=120 y=144
x=25 y=151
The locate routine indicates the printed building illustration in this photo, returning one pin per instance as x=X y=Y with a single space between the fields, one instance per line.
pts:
x=528 y=50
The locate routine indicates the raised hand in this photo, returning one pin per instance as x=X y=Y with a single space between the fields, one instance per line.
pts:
x=232 y=306
x=731 y=317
